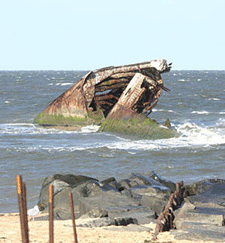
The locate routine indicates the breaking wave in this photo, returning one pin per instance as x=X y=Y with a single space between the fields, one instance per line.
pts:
x=191 y=135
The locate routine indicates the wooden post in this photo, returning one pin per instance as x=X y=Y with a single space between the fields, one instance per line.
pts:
x=73 y=216
x=21 y=191
x=51 y=213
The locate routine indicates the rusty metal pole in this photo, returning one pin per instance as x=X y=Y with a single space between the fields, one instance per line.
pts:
x=25 y=212
x=20 y=202
x=51 y=213
x=73 y=217
x=22 y=208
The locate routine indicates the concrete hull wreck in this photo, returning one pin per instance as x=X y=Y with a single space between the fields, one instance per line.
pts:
x=117 y=98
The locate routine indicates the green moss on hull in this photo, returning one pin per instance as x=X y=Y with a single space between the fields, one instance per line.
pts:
x=143 y=128
x=44 y=119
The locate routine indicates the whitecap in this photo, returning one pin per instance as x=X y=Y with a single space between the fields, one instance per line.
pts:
x=66 y=84
x=213 y=99
x=91 y=128
x=200 y=112
x=181 y=80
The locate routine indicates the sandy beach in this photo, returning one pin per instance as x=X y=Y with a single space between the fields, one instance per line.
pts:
x=63 y=232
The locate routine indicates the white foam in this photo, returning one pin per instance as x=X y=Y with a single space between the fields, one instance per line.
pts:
x=66 y=84
x=28 y=128
x=200 y=112
x=91 y=128
x=191 y=135
x=63 y=84
x=213 y=99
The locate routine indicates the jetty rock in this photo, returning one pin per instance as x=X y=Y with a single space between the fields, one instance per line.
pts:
x=191 y=212
x=119 y=99
x=134 y=200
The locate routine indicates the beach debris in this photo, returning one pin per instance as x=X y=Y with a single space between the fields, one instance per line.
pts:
x=166 y=218
x=108 y=93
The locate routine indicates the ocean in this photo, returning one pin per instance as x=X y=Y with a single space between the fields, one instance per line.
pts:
x=195 y=106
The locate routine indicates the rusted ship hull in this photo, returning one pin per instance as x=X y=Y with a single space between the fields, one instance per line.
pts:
x=108 y=94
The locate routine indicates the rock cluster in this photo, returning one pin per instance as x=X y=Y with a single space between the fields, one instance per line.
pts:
x=138 y=199
x=202 y=216
x=141 y=199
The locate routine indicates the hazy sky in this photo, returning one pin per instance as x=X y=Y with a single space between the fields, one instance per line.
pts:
x=90 y=34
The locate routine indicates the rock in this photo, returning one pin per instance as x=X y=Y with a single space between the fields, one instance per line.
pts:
x=201 y=186
x=166 y=183
x=132 y=200
x=147 y=192
x=117 y=206
x=100 y=222
x=60 y=182
x=202 y=216
x=154 y=204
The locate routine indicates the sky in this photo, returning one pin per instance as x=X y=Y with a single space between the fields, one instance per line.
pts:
x=91 y=34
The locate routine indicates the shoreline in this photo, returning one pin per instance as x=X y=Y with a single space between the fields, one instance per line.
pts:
x=63 y=232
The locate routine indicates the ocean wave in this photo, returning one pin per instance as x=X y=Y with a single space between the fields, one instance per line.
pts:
x=60 y=84
x=214 y=99
x=200 y=112
x=29 y=128
x=91 y=128
x=191 y=136
x=63 y=84
x=163 y=110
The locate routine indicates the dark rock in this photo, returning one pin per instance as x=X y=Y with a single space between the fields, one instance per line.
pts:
x=60 y=182
x=147 y=192
x=139 y=179
x=164 y=182
x=201 y=232
x=154 y=204
x=112 y=182
x=202 y=215
x=100 y=222
x=201 y=186
x=117 y=206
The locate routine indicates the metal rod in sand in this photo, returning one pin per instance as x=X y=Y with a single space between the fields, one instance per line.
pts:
x=73 y=217
x=51 y=213
x=21 y=191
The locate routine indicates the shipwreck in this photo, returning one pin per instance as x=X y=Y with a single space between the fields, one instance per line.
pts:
x=119 y=99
